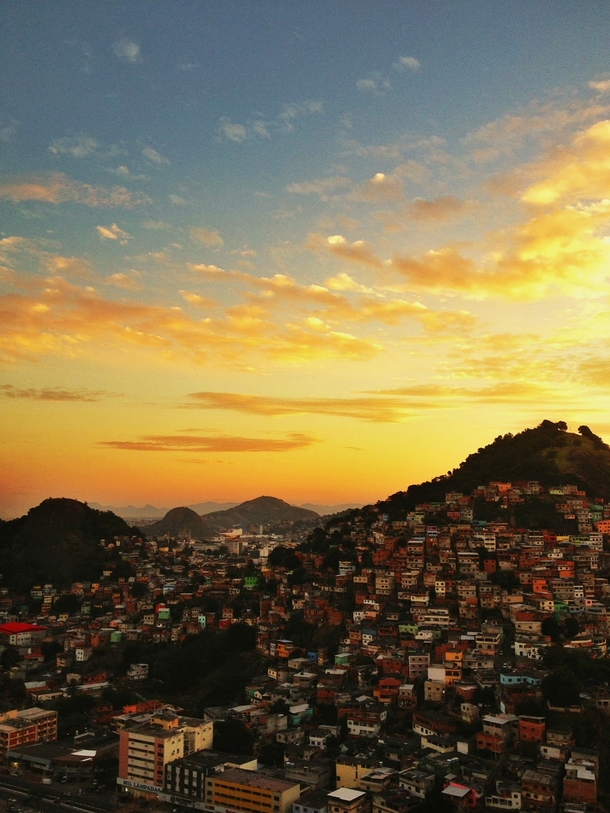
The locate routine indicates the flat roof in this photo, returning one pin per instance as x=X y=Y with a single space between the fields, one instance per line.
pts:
x=346 y=794
x=254 y=779
x=451 y=790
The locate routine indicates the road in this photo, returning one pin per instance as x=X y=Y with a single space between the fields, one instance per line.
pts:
x=47 y=798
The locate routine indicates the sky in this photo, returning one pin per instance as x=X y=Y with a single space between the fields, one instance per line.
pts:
x=313 y=250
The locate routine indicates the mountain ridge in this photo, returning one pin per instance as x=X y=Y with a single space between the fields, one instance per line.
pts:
x=548 y=453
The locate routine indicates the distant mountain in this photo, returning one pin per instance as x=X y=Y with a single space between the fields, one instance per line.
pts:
x=181 y=522
x=58 y=542
x=210 y=507
x=131 y=511
x=150 y=511
x=325 y=510
x=252 y=514
x=548 y=453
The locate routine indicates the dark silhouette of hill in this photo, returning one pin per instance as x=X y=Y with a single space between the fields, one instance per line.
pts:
x=58 y=542
x=548 y=453
x=261 y=511
x=181 y=522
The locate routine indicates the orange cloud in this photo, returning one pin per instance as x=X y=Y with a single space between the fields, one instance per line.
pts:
x=578 y=172
x=57 y=188
x=371 y=409
x=538 y=121
x=381 y=188
x=358 y=251
x=222 y=443
x=53 y=394
x=57 y=317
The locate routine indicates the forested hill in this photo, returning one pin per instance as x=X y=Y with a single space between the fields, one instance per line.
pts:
x=58 y=542
x=548 y=453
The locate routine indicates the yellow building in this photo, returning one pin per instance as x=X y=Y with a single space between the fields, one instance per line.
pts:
x=239 y=790
x=351 y=770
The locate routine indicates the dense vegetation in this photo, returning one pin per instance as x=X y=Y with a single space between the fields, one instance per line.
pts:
x=548 y=453
x=58 y=541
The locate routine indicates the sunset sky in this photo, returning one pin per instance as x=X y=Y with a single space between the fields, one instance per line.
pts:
x=317 y=250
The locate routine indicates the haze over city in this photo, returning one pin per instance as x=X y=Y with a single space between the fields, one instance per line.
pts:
x=314 y=250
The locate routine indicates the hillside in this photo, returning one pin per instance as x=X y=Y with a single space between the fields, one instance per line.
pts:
x=252 y=514
x=57 y=541
x=548 y=453
x=181 y=522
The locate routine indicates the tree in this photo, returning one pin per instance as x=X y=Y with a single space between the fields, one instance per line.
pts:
x=551 y=627
x=562 y=688
x=571 y=626
x=68 y=603
x=232 y=737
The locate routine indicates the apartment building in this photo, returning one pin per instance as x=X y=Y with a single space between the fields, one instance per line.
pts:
x=236 y=789
x=146 y=748
x=26 y=728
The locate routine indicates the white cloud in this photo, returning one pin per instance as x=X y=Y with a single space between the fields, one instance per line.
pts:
x=376 y=84
x=113 y=233
x=284 y=122
x=177 y=200
x=154 y=156
x=127 y=51
x=234 y=132
x=409 y=63
x=323 y=187
x=261 y=128
x=78 y=147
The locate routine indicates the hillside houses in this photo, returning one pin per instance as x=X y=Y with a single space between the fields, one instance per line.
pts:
x=401 y=658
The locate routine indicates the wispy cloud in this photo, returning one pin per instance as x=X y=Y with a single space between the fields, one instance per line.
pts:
x=377 y=406
x=113 y=233
x=260 y=126
x=79 y=146
x=372 y=409
x=127 y=50
x=439 y=209
x=221 y=443
x=153 y=156
x=209 y=237
x=8 y=129
x=58 y=188
x=601 y=85
x=53 y=394
x=232 y=131
x=128 y=282
x=324 y=188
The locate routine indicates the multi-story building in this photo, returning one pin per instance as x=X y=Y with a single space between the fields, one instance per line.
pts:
x=26 y=727
x=348 y=800
x=146 y=748
x=250 y=791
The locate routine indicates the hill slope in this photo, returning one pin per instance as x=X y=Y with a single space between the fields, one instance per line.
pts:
x=252 y=514
x=181 y=522
x=57 y=541
x=547 y=453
